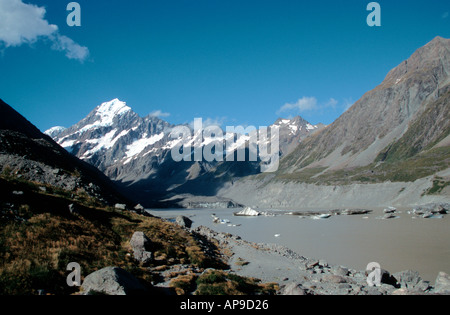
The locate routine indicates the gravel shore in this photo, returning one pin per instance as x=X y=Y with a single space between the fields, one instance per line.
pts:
x=300 y=275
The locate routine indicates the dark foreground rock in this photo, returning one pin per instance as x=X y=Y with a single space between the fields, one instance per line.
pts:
x=112 y=281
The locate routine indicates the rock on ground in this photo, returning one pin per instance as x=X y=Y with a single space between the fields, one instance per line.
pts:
x=291 y=289
x=112 y=281
x=141 y=244
x=442 y=285
x=120 y=206
x=183 y=221
x=411 y=281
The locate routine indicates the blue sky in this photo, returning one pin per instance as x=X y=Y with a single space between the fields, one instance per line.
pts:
x=234 y=61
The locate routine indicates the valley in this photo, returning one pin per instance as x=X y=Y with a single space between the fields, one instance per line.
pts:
x=104 y=192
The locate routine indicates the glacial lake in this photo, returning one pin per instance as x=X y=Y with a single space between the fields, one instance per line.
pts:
x=404 y=243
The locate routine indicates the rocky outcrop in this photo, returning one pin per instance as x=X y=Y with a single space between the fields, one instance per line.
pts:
x=112 y=281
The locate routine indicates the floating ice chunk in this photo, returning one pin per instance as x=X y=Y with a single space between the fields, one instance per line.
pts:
x=322 y=216
x=247 y=211
x=390 y=210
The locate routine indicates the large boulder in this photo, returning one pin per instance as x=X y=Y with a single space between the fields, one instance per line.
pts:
x=112 y=281
x=292 y=289
x=183 y=221
x=339 y=271
x=442 y=285
x=120 y=206
x=334 y=279
x=141 y=246
x=411 y=280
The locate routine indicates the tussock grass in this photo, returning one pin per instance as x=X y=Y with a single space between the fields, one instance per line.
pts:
x=218 y=282
x=39 y=237
x=184 y=284
x=439 y=184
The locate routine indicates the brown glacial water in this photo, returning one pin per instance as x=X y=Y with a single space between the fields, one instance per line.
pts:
x=404 y=243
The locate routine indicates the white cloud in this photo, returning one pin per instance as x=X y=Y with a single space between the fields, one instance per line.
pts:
x=303 y=104
x=218 y=121
x=206 y=122
x=22 y=23
x=159 y=113
x=72 y=49
x=331 y=103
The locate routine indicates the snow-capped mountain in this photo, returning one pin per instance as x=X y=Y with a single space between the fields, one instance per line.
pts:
x=136 y=151
x=112 y=134
x=293 y=131
x=33 y=156
x=54 y=131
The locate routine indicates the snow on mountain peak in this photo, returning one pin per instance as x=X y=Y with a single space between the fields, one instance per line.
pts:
x=106 y=113
x=112 y=108
x=54 y=131
x=311 y=127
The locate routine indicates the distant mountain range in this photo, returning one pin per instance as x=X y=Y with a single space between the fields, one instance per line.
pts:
x=135 y=152
x=395 y=135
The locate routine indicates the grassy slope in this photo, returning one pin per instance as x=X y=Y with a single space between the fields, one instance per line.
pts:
x=423 y=133
x=39 y=237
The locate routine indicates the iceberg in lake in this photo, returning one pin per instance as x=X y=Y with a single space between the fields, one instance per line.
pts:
x=322 y=216
x=248 y=212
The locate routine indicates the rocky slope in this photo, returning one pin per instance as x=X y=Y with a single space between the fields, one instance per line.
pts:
x=417 y=87
x=391 y=146
x=28 y=154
